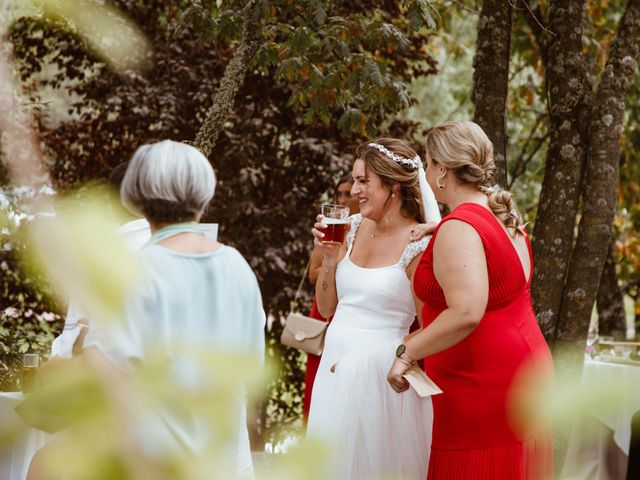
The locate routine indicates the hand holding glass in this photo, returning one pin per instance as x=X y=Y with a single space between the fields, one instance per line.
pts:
x=335 y=218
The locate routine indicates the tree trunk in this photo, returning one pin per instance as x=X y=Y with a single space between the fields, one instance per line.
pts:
x=491 y=78
x=569 y=103
x=610 y=301
x=231 y=81
x=601 y=182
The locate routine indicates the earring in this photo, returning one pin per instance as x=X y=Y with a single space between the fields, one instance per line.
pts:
x=439 y=185
x=393 y=194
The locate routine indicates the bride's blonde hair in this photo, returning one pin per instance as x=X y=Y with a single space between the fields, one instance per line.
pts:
x=464 y=149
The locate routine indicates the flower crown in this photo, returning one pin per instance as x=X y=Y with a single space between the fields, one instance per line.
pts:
x=414 y=163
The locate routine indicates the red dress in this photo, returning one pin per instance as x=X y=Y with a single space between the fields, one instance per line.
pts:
x=473 y=437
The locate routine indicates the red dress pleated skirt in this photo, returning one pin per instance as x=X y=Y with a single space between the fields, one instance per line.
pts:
x=532 y=459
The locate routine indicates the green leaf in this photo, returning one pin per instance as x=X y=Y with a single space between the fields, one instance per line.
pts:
x=419 y=12
x=309 y=116
x=300 y=41
x=371 y=72
x=319 y=15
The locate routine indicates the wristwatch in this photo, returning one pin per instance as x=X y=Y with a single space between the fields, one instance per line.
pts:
x=401 y=353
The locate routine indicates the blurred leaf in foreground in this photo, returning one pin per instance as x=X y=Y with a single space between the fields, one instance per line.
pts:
x=78 y=245
x=111 y=36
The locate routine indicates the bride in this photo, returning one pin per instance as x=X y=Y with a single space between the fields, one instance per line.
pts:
x=366 y=284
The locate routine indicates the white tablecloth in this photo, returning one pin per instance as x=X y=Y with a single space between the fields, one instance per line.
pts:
x=16 y=456
x=599 y=447
x=617 y=419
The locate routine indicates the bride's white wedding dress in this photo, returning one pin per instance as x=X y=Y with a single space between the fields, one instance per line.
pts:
x=372 y=431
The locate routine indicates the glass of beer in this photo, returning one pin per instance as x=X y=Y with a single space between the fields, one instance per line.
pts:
x=336 y=218
x=30 y=364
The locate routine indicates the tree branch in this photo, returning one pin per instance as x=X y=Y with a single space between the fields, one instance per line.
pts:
x=630 y=285
x=231 y=81
x=522 y=167
x=535 y=19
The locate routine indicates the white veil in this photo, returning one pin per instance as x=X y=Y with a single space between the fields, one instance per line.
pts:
x=429 y=204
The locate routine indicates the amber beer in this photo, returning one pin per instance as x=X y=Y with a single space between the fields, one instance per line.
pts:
x=335 y=231
x=336 y=218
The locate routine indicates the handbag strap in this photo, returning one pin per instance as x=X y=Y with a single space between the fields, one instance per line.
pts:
x=294 y=305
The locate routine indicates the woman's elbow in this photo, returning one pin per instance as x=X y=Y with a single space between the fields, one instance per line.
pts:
x=469 y=318
x=326 y=313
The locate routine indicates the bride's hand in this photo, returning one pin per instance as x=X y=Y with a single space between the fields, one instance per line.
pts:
x=395 y=378
x=330 y=251
x=419 y=231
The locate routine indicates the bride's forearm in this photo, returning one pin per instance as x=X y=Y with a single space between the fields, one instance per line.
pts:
x=326 y=293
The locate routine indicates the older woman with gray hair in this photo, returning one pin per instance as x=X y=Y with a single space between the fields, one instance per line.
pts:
x=198 y=295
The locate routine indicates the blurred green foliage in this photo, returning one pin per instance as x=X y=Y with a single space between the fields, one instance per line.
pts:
x=29 y=314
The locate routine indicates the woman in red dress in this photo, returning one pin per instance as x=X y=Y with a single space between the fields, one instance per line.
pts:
x=481 y=343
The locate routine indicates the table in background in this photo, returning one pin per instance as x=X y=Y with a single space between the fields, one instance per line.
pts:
x=16 y=456
x=599 y=447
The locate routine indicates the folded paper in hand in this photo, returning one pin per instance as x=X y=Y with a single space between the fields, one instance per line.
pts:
x=421 y=383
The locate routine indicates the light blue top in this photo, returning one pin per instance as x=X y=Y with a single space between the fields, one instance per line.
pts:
x=205 y=301
x=208 y=300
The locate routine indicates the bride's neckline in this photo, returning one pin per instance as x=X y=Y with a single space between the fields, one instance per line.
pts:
x=371 y=268
x=353 y=241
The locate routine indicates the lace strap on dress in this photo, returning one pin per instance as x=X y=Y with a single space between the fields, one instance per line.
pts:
x=354 y=223
x=412 y=250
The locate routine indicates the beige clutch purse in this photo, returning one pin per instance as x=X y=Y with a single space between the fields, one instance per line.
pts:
x=304 y=333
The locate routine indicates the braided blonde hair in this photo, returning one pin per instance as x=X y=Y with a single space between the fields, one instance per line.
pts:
x=464 y=149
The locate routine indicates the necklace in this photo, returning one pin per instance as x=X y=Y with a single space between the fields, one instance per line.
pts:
x=376 y=234
x=390 y=232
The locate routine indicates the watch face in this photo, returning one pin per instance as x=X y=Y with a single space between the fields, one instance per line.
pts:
x=400 y=350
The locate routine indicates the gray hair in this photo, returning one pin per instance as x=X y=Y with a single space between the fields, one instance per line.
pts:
x=168 y=182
